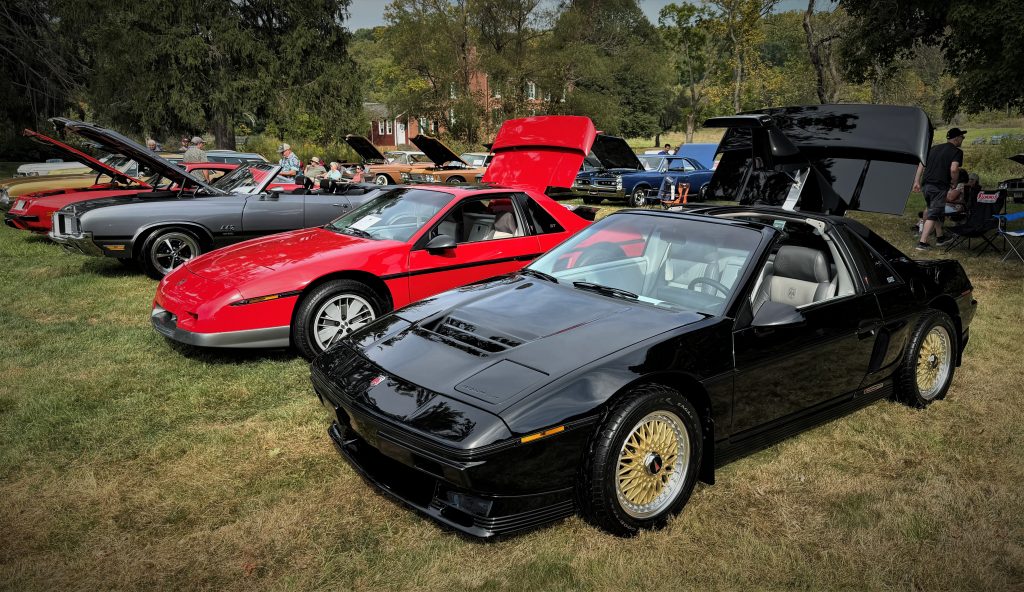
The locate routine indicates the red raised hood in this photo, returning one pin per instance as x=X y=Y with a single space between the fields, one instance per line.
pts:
x=79 y=156
x=540 y=152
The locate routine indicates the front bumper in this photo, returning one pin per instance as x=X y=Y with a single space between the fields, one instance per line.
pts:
x=499 y=489
x=605 y=191
x=19 y=221
x=79 y=243
x=166 y=323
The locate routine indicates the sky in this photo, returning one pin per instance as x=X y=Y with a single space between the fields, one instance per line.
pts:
x=370 y=13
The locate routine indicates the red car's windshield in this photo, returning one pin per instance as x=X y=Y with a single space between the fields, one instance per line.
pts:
x=395 y=215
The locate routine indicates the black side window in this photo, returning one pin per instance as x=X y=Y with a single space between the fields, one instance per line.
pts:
x=874 y=271
x=537 y=218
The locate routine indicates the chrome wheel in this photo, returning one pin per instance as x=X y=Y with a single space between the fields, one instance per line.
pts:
x=704 y=192
x=638 y=198
x=381 y=180
x=653 y=463
x=934 y=361
x=171 y=250
x=338 y=317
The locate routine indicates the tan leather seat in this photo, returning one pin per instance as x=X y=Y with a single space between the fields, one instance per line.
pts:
x=798 y=276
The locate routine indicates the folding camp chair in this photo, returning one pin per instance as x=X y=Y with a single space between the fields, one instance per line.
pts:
x=980 y=223
x=1013 y=239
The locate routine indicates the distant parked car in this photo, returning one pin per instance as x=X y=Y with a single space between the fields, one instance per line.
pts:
x=625 y=176
x=448 y=167
x=386 y=168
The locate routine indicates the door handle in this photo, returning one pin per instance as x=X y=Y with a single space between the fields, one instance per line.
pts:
x=867 y=329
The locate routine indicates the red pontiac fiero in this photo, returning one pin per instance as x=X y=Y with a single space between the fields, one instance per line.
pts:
x=309 y=288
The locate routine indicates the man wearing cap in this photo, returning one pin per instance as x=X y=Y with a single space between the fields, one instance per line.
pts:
x=941 y=172
x=289 y=163
x=195 y=152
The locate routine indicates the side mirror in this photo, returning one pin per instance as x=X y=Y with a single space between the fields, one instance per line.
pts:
x=773 y=315
x=440 y=244
x=273 y=193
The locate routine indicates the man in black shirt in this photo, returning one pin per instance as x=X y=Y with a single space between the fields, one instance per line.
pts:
x=941 y=172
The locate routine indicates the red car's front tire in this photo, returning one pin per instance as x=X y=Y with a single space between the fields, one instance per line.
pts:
x=332 y=311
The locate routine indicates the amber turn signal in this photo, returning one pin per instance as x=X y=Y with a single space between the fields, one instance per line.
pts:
x=544 y=434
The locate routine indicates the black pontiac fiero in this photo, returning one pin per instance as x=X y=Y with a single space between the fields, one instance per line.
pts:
x=647 y=350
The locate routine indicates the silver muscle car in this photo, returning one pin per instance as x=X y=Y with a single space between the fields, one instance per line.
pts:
x=162 y=229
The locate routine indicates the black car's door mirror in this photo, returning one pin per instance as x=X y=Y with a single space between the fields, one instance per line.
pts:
x=775 y=315
x=440 y=244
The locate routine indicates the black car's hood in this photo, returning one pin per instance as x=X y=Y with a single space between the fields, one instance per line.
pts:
x=88 y=205
x=437 y=152
x=79 y=156
x=614 y=153
x=822 y=158
x=115 y=142
x=500 y=340
x=365 y=149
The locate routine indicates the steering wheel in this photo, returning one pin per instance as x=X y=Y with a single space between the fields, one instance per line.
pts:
x=713 y=283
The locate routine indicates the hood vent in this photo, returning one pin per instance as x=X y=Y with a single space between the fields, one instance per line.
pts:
x=470 y=337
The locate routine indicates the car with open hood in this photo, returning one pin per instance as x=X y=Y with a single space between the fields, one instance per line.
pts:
x=162 y=229
x=34 y=211
x=627 y=177
x=1014 y=187
x=310 y=288
x=449 y=168
x=386 y=168
x=618 y=369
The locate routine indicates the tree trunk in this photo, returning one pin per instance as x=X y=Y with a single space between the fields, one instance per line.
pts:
x=739 y=83
x=223 y=131
x=813 y=51
x=691 y=124
x=657 y=140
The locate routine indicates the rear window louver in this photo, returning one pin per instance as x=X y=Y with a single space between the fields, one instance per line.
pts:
x=470 y=337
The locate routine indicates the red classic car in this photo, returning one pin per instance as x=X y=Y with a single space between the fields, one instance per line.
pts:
x=309 y=288
x=34 y=211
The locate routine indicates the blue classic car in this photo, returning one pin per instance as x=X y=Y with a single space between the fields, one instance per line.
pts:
x=626 y=176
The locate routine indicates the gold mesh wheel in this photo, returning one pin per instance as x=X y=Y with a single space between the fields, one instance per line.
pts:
x=652 y=465
x=934 y=361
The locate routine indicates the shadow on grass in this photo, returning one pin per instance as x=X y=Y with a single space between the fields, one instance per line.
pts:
x=112 y=267
x=227 y=356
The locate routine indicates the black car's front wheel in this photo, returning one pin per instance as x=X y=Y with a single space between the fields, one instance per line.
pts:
x=165 y=250
x=642 y=462
x=928 y=362
x=332 y=311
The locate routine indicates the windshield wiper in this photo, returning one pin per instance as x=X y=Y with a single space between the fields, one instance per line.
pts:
x=606 y=290
x=540 y=274
x=356 y=232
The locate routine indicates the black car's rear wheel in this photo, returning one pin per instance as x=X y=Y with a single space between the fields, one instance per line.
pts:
x=642 y=462
x=928 y=362
x=165 y=250
x=331 y=312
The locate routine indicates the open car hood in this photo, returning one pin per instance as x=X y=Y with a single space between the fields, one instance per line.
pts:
x=822 y=158
x=115 y=142
x=436 y=151
x=79 y=156
x=1018 y=158
x=540 y=152
x=365 y=149
x=614 y=153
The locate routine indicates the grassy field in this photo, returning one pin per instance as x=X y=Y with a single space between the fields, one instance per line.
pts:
x=129 y=464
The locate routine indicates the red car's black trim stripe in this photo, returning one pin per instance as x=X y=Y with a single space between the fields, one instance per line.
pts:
x=258 y=298
x=393 y=276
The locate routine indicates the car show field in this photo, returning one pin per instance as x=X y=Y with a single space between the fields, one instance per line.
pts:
x=132 y=463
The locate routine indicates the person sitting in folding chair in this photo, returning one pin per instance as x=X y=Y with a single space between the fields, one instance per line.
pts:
x=980 y=222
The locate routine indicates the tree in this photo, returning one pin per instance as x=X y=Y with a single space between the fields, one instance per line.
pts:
x=169 y=66
x=739 y=20
x=819 y=49
x=684 y=27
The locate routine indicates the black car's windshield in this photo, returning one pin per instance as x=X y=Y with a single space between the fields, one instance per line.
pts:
x=670 y=262
x=394 y=215
x=247 y=178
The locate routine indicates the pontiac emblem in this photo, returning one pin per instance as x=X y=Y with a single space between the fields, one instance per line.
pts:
x=376 y=380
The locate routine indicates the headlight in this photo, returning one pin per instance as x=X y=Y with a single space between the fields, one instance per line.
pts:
x=618 y=183
x=405 y=177
x=5 y=199
x=19 y=205
x=33 y=173
x=1002 y=185
x=431 y=178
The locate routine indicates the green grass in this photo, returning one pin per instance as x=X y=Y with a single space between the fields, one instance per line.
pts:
x=129 y=464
